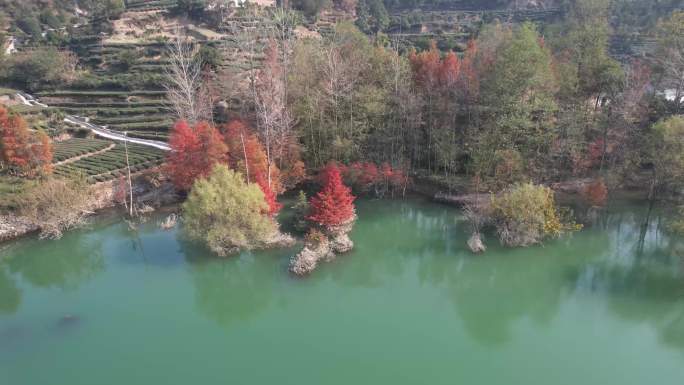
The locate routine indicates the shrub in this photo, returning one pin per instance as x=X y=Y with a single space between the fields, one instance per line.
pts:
x=677 y=225
x=526 y=214
x=56 y=205
x=315 y=237
x=41 y=67
x=301 y=211
x=508 y=167
x=228 y=214
x=127 y=59
x=30 y=25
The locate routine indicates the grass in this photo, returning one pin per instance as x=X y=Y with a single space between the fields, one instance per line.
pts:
x=7 y=91
x=11 y=189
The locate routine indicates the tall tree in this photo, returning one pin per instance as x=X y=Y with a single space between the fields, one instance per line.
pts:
x=274 y=120
x=519 y=95
x=670 y=56
x=185 y=82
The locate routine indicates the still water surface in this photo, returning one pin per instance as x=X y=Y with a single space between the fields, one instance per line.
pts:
x=410 y=305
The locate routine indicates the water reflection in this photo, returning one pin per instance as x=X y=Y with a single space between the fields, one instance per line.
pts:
x=643 y=275
x=230 y=289
x=637 y=271
x=64 y=267
x=45 y=264
x=10 y=296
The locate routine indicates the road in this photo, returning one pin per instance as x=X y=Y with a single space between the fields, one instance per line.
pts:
x=101 y=131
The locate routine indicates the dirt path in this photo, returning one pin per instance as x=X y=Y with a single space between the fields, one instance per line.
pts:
x=71 y=160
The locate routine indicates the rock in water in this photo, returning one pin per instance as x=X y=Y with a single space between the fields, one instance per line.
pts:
x=304 y=262
x=475 y=243
x=342 y=244
x=307 y=259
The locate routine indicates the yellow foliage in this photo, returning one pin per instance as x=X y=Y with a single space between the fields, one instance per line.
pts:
x=525 y=214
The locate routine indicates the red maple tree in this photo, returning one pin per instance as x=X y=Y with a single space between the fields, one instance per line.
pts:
x=194 y=152
x=334 y=204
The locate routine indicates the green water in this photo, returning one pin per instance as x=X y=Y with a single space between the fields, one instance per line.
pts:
x=409 y=305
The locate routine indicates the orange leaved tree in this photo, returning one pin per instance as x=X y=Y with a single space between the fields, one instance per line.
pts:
x=194 y=152
x=20 y=150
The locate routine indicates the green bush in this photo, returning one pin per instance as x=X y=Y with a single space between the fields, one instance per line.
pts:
x=227 y=214
x=40 y=68
x=30 y=25
x=677 y=224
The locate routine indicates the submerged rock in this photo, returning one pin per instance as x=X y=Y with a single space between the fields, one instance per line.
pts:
x=322 y=246
x=170 y=222
x=306 y=260
x=68 y=321
x=475 y=243
x=341 y=244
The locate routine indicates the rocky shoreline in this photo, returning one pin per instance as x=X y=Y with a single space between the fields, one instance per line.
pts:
x=14 y=226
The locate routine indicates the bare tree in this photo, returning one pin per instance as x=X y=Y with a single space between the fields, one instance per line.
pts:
x=186 y=89
x=270 y=95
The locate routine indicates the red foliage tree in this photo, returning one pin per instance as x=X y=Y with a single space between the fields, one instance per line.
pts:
x=19 y=149
x=426 y=66
x=40 y=158
x=596 y=193
x=334 y=204
x=194 y=152
x=270 y=197
x=120 y=190
x=469 y=76
x=248 y=156
x=449 y=70
x=366 y=176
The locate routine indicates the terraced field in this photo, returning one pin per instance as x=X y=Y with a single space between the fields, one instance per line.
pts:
x=451 y=28
x=143 y=114
x=147 y=5
x=75 y=147
x=112 y=163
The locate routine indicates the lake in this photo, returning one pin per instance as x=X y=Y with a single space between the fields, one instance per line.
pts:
x=410 y=305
